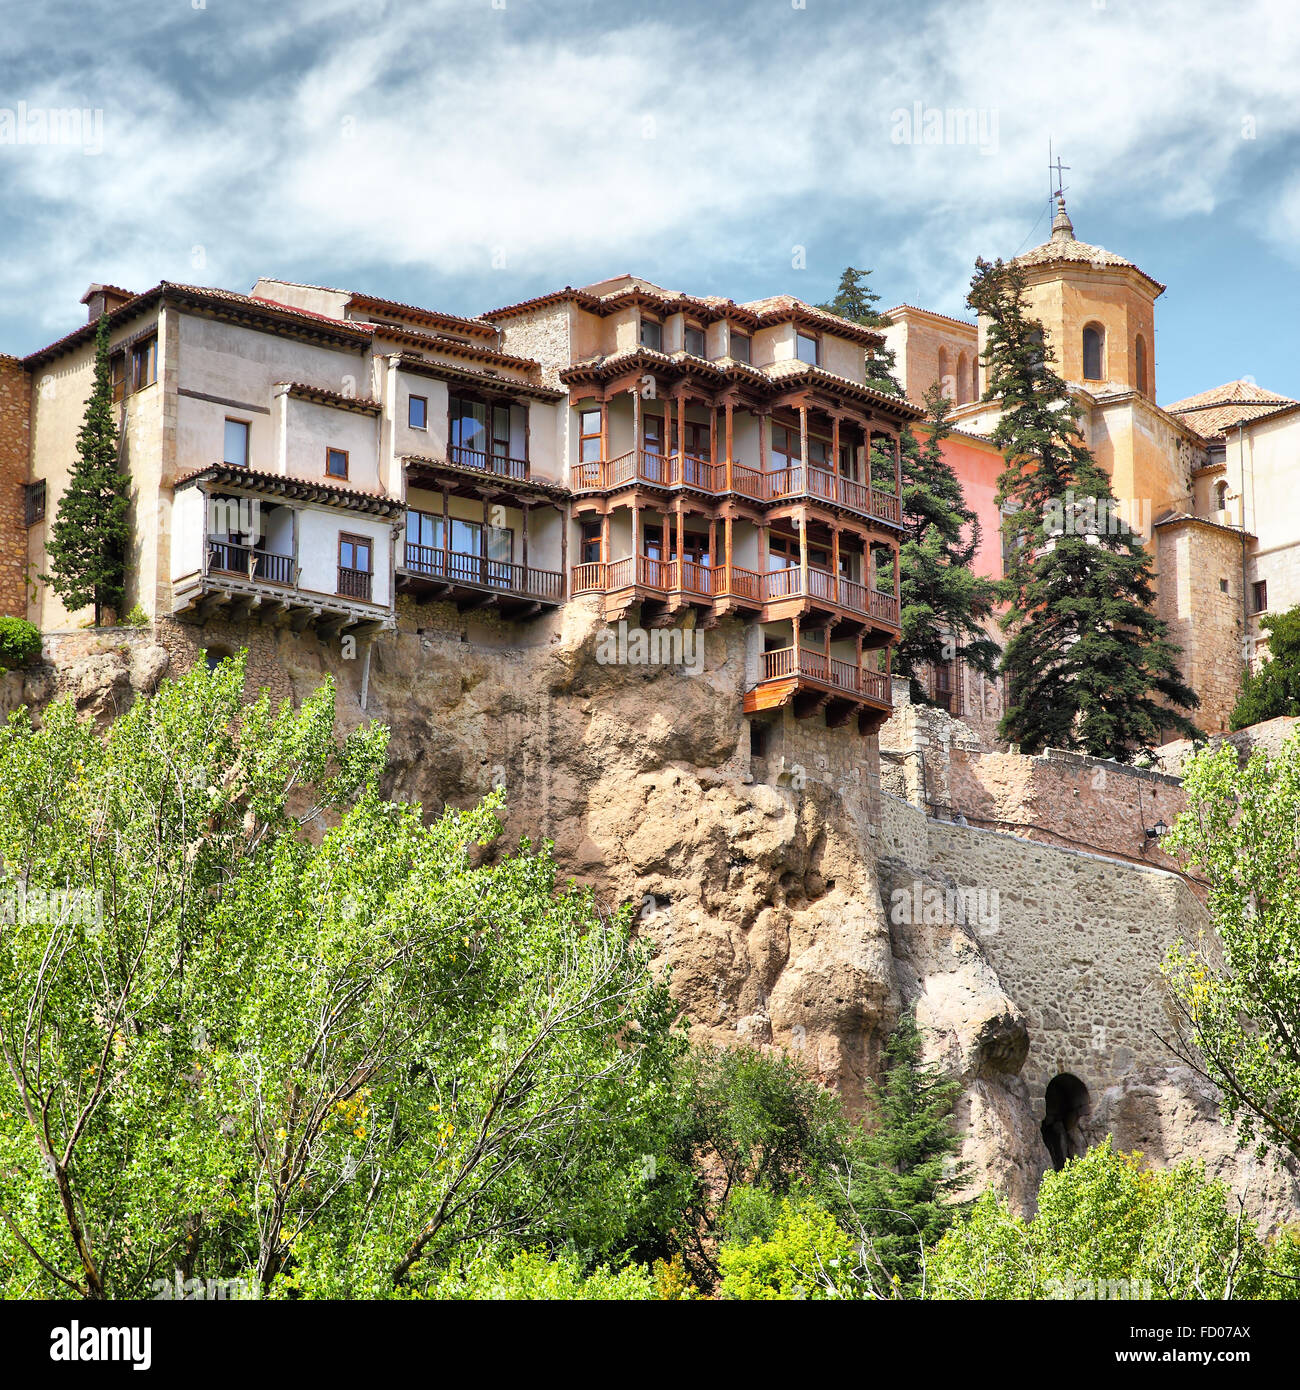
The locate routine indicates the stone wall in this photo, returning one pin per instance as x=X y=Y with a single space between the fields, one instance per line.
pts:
x=15 y=440
x=1267 y=738
x=1076 y=939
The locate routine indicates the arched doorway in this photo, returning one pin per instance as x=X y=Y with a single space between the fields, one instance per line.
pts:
x=1067 y=1104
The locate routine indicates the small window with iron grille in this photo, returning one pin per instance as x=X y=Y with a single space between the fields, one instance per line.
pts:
x=34 y=503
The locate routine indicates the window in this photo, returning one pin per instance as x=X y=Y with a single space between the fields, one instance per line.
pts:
x=945 y=374
x=757 y=740
x=652 y=334
x=1220 y=496
x=589 y=436
x=34 y=503
x=1259 y=596
x=424 y=542
x=1140 y=364
x=236 y=451
x=694 y=340
x=144 y=363
x=589 y=544
x=1094 y=343
x=652 y=434
x=355 y=563
x=807 y=349
x=417 y=412
x=336 y=463
x=1223 y=586
x=117 y=374
x=740 y=346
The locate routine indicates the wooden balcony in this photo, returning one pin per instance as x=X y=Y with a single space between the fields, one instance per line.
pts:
x=498 y=465
x=646 y=577
x=785 y=592
x=473 y=581
x=264 y=565
x=639 y=467
x=354 y=583
x=812 y=681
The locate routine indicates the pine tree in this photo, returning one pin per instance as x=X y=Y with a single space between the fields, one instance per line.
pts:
x=855 y=300
x=1089 y=666
x=88 y=540
x=904 y=1190
x=1275 y=688
x=943 y=600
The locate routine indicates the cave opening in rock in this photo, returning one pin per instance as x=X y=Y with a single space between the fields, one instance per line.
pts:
x=1067 y=1104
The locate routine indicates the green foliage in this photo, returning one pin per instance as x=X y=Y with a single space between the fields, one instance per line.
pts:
x=1274 y=689
x=532 y=1274
x=944 y=602
x=88 y=540
x=1108 y=1228
x=809 y=1256
x=899 y=1190
x=856 y=301
x=1238 y=994
x=19 y=642
x=325 y=1063
x=137 y=617
x=1089 y=666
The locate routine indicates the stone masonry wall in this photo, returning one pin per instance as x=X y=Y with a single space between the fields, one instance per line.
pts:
x=15 y=436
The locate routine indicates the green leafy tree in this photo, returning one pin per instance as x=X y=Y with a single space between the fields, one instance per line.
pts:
x=20 y=641
x=944 y=603
x=1108 y=1228
x=88 y=540
x=856 y=301
x=807 y=1256
x=1237 y=992
x=304 y=1040
x=1089 y=666
x=1274 y=689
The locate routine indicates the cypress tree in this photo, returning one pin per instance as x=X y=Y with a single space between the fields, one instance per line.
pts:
x=1089 y=666
x=88 y=540
x=943 y=599
x=856 y=301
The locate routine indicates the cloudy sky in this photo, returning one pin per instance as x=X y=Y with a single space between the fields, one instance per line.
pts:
x=470 y=153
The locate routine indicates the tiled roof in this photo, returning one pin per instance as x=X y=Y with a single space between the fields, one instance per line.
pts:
x=1214 y=412
x=506 y=385
x=435 y=316
x=281 y=484
x=440 y=343
x=1182 y=518
x=930 y=313
x=305 y=391
x=1062 y=245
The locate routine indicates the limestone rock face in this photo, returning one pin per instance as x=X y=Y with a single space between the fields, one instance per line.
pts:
x=1172 y=1113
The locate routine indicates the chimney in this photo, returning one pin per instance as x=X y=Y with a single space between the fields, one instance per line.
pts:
x=103 y=299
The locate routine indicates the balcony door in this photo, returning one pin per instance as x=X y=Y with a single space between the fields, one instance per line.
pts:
x=424 y=542
x=356 y=565
x=490 y=437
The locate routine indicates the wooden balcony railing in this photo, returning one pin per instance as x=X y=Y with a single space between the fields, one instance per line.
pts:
x=482 y=573
x=497 y=464
x=656 y=574
x=354 y=583
x=776 y=485
x=263 y=565
x=834 y=672
x=827 y=588
x=588 y=578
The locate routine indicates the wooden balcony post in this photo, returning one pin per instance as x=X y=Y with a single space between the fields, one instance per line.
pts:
x=728 y=442
x=636 y=539
x=835 y=561
x=446 y=532
x=835 y=447
x=713 y=542
x=803 y=442
x=604 y=537
x=803 y=550
x=636 y=426
x=681 y=432
x=764 y=425
x=713 y=434
x=794 y=624
x=869 y=479
x=483 y=541
x=857 y=670
x=665 y=550
x=565 y=577
x=523 y=542
x=681 y=541
x=604 y=429
x=726 y=541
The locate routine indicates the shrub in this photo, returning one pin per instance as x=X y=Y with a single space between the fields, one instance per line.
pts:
x=809 y=1256
x=19 y=642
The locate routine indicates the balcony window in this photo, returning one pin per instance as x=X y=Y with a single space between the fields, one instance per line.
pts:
x=336 y=463
x=423 y=533
x=740 y=347
x=808 y=349
x=144 y=363
x=492 y=437
x=356 y=563
x=589 y=544
x=652 y=334
x=694 y=340
x=417 y=412
x=786 y=449
x=589 y=436
x=652 y=434
x=236 y=450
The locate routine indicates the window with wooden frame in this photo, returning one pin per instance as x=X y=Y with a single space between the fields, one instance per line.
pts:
x=235 y=452
x=589 y=436
x=589 y=541
x=741 y=347
x=808 y=349
x=336 y=463
x=651 y=334
x=652 y=434
x=787 y=449
x=697 y=440
x=694 y=340
x=144 y=363
x=417 y=412
x=1259 y=596
x=356 y=565
x=117 y=375
x=1094 y=352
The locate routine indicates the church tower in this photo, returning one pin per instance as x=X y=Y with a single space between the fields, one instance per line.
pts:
x=1098 y=311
